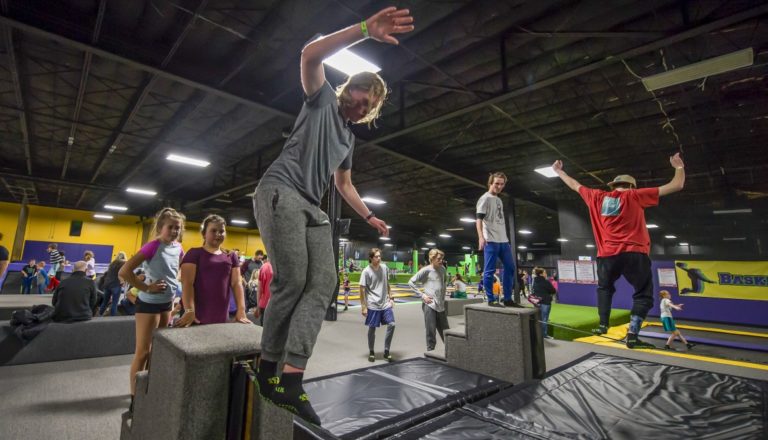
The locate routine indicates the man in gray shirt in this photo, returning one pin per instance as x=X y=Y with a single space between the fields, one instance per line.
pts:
x=376 y=302
x=433 y=282
x=296 y=232
x=493 y=241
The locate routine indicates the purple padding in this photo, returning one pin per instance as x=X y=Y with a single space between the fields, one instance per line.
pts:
x=709 y=341
x=73 y=251
x=731 y=311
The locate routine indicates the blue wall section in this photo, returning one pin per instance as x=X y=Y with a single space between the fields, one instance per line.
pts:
x=732 y=311
x=73 y=251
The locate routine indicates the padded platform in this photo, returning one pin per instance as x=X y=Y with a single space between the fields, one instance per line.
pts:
x=609 y=397
x=710 y=341
x=108 y=336
x=383 y=400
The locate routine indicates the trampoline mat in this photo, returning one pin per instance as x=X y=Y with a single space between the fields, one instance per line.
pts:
x=383 y=400
x=609 y=397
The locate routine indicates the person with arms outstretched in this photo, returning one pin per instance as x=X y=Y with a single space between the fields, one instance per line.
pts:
x=623 y=243
x=296 y=232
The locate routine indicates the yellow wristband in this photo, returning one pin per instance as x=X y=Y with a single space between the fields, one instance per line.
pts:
x=364 y=29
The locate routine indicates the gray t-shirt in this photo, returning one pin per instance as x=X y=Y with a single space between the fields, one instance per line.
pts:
x=494 y=228
x=375 y=284
x=320 y=143
x=433 y=282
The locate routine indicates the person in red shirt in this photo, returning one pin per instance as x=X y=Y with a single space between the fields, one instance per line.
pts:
x=623 y=243
x=265 y=278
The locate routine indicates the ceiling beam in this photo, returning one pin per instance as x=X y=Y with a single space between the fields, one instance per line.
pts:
x=88 y=57
x=574 y=73
x=14 y=71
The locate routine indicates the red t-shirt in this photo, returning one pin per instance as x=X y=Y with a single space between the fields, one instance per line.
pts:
x=265 y=278
x=618 y=219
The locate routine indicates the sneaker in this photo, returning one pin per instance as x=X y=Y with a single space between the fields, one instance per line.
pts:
x=690 y=345
x=548 y=337
x=667 y=347
x=600 y=330
x=635 y=343
x=388 y=357
x=371 y=358
x=495 y=304
x=511 y=303
x=346 y=308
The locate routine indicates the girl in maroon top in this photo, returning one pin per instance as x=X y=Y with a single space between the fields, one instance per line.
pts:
x=207 y=273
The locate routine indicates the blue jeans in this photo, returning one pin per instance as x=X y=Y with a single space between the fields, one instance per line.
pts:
x=491 y=252
x=26 y=285
x=114 y=293
x=41 y=287
x=545 y=309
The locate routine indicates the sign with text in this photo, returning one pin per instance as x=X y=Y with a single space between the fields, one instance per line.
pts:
x=723 y=279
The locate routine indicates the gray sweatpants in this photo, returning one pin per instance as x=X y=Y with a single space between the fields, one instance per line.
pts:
x=434 y=321
x=297 y=236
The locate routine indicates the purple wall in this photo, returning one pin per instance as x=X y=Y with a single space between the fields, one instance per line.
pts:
x=73 y=251
x=732 y=311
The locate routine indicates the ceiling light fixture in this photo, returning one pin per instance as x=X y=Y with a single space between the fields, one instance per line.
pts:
x=116 y=207
x=522 y=247
x=103 y=216
x=467 y=220
x=385 y=238
x=732 y=211
x=454 y=229
x=466 y=248
x=388 y=244
x=445 y=235
x=187 y=160
x=239 y=222
x=562 y=240
x=350 y=63
x=670 y=236
x=590 y=246
x=702 y=69
x=547 y=171
x=373 y=200
x=651 y=226
x=683 y=244
x=525 y=232
x=144 y=192
x=431 y=243
x=424 y=249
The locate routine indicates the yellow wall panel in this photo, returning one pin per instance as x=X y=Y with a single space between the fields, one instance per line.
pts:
x=9 y=216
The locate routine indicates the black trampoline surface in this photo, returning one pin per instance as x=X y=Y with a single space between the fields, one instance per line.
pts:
x=386 y=399
x=610 y=397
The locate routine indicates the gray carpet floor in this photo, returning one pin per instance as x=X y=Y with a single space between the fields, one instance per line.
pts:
x=83 y=399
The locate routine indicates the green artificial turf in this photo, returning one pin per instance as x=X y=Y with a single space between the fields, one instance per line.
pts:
x=581 y=318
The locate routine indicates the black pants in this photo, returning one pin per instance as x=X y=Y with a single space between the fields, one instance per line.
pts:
x=636 y=268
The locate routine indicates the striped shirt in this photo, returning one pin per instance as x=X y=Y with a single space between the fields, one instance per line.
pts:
x=55 y=257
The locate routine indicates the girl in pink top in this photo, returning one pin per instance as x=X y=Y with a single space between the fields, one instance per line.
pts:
x=207 y=273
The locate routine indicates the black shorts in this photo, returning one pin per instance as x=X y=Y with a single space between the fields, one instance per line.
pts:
x=144 y=307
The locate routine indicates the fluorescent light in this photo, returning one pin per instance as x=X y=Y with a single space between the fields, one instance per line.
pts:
x=734 y=238
x=732 y=211
x=590 y=246
x=104 y=216
x=388 y=244
x=236 y=221
x=562 y=239
x=348 y=62
x=546 y=171
x=385 y=238
x=702 y=69
x=188 y=160
x=373 y=201
x=466 y=248
x=525 y=232
x=522 y=247
x=389 y=227
x=445 y=235
x=116 y=207
x=683 y=244
x=467 y=220
x=424 y=249
x=144 y=192
x=430 y=243
x=454 y=229
x=670 y=236
x=651 y=226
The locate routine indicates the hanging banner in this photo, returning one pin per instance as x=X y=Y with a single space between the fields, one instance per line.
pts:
x=566 y=272
x=723 y=279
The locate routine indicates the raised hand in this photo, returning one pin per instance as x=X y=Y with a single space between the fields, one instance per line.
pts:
x=557 y=166
x=389 y=21
x=676 y=161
